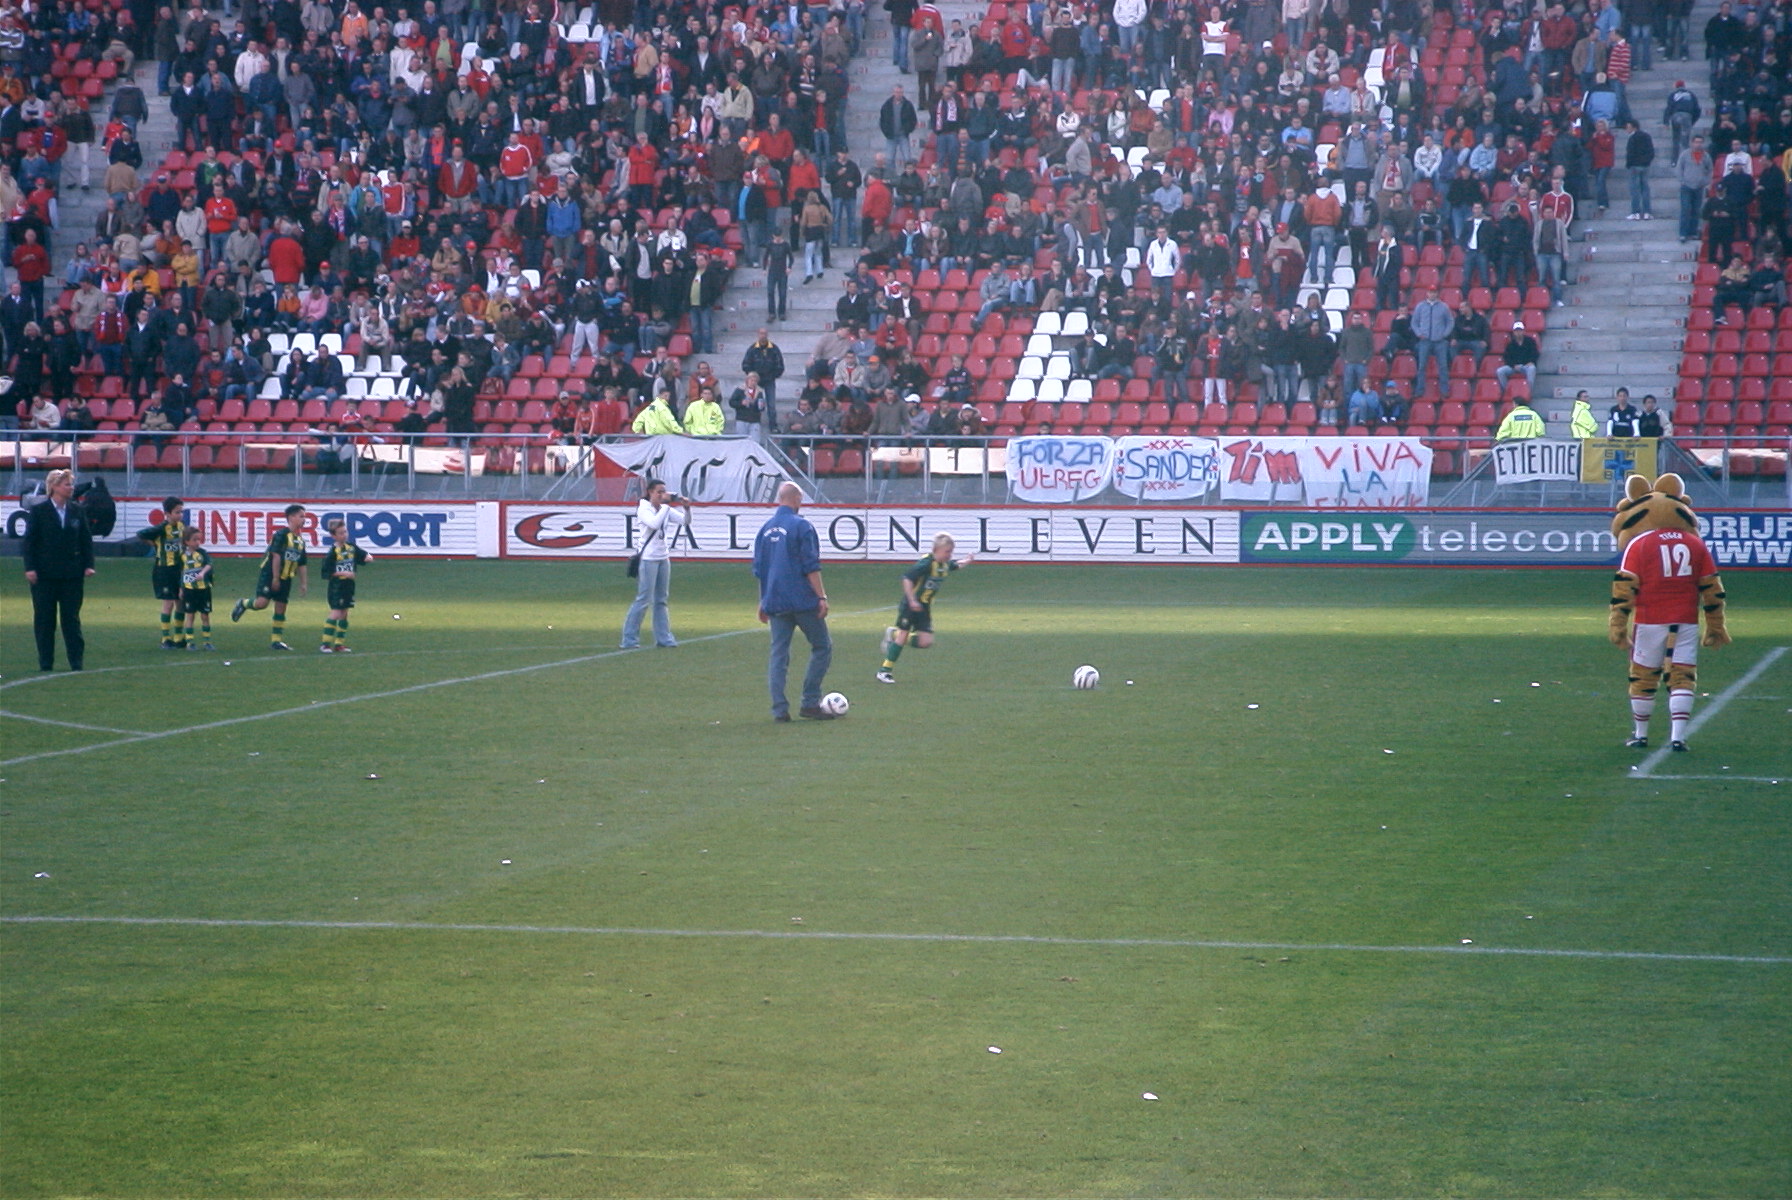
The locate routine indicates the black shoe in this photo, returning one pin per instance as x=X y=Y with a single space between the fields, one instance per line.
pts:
x=236 y=613
x=815 y=714
x=783 y=718
x=1676 y=747
x=1638 y=743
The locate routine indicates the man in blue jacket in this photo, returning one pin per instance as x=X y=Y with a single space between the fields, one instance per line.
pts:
x=787 y=563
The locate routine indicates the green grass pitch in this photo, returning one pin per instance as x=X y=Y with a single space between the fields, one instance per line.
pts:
x=1192 y=882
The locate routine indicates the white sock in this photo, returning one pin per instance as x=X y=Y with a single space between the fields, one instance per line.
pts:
x=1680 y=713
x=1641 y=709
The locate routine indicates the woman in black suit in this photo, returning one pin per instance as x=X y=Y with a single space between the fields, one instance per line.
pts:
x=58 y=560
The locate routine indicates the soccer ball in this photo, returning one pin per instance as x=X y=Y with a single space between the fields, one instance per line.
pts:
x=1085 y=677
x=835 y=703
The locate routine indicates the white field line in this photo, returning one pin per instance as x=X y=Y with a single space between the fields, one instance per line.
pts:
x=19 y=716
x=1726 y=778
x=320 y=705
x=263 y=655
x=1707 y=712
x=942 y=938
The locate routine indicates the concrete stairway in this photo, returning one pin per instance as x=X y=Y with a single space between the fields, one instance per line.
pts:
x=76 y=210
x=811 y=309
x=1632 y=280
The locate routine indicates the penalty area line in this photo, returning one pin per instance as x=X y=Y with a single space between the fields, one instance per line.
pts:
x=823 y=935
x=320 y=705
x=1644 y=769
x=19 y=716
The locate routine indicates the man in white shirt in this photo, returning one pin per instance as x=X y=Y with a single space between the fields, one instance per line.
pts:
x=1163 y=258
x=657 y=519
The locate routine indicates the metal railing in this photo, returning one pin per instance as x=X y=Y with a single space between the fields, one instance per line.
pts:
x=1746 y=472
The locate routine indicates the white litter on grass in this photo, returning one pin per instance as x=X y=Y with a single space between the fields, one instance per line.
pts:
x=1384 y=826
x=503 y=862
x=41 y=875
x=396 y=617
x=1386 y=751
x=254 y=754
x=995 y=1049
x=372 y=776
x=227 y=662
x=1253 y=706
x=541 y=781
x=1468 y=941
x=1129 y=683
x=1536 y=684
x=1148 y=1096
x=1496 y=701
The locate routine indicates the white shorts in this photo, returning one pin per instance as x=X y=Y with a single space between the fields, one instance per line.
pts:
x=1652 y=644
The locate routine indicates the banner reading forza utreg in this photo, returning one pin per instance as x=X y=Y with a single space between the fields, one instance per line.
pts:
x=895 y=534
x=707 y=470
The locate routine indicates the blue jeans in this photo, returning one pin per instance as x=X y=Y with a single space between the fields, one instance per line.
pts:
x=821 y=654
x=1692 y=200
x=1640 y=200
x=1354 y=374
x=1439 y=352
x=1602 y=193
x=703 y=338
x=653 y=586
x=899 y=46
x=843 y=219
x=1550 y=271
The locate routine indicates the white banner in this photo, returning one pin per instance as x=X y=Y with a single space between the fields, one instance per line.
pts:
x=1534 y=460
x=1166 y=467
x=707 y=470
x=245 y=526
x=1059 y=470
x=893 y=534
x=1344 y=472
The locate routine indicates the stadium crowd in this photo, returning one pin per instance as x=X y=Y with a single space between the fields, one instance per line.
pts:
x=460 y=217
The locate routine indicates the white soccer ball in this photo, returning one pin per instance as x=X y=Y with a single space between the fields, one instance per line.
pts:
x=1085 y=677
x=835 y=703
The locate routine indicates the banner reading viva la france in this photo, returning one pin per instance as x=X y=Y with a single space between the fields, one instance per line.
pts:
x=1342 y=472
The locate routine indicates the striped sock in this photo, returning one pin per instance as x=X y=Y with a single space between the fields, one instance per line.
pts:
x=167 y=626
x=278 y=632
x=1679 y=714
x=330 y=636
x=342 y=631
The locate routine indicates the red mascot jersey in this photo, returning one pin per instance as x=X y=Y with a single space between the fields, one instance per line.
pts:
x=1667 y=565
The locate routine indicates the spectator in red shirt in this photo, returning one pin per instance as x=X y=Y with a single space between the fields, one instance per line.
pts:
x=457 y=180
x=286 y=258
x=643 y=165
x=220 y=219
x=1602 y=155
x=32 y=262
x=514 y=164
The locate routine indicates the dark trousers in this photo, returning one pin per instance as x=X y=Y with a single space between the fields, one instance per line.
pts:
x=777 y=295
x=48 y=598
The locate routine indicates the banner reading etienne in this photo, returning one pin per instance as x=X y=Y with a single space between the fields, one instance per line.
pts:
x=708 y=470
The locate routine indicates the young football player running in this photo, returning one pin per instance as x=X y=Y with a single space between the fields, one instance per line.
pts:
x=285 y=559
x=914 y=616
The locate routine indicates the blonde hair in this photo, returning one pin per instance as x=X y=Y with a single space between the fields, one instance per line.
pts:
x=56 y=477
x=946 y=538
